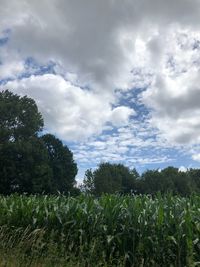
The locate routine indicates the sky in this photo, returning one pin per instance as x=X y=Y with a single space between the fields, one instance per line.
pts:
x=116 y=81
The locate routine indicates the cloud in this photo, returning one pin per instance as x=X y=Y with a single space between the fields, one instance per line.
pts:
x=174 y=94
x=196 y=157
x=11 y=65
x=73 y=113
x=98 y=51
x=133 y=145
x=92 y=38
x=182 y=169
x=120 y=115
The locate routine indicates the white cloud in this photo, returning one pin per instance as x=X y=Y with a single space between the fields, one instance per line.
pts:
x=120 y=115
x=196 y=157
x=125 y=145
x=69 y=111
x=98 y=47
x=11 y=65
x=92 y=38
x=182 y=169
x=175 y=92
x=11 y=69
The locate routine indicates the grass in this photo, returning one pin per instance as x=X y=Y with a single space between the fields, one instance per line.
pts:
x=110 y=231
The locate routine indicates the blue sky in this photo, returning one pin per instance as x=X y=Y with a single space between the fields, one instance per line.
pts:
x=115 y=80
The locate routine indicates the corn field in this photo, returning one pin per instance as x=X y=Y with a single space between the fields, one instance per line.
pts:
x=112 y=230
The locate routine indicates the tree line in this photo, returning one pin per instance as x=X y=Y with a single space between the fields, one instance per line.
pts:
x=34 y=162
x=112 y=178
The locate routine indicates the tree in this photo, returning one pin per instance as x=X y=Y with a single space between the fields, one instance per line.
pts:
x=178 y=182
x=19 y=117
x=24 y=167
x=169 y=179
x=182 y=185
x=29 y=163
x=151 y=182
x=106 y=179
x=23 y=158
x=109 y=178
x=194 y=178
x=128 y=178
x=61 y=161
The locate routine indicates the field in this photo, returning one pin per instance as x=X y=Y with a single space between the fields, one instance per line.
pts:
x=112 y=230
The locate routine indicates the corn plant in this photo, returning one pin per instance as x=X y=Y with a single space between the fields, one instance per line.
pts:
x=112 y=230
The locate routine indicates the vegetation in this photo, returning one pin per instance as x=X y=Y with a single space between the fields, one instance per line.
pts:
x=112 y=178
x=34 y=163
x=61 y=162
x=110 y=231
x=122 y=219
x=30 y=162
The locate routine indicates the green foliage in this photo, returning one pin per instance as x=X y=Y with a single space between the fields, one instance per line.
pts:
x=24 y=167
x=169 y=179
x=29 y=163
x=154 y=181
x=193 y=175
x=19 y=117
x=112 y=230
x=62 y=164
x=109 y=178
x=112 y=178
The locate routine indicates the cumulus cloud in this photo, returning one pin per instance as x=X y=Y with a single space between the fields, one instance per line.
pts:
x=69 y=111
x=182 y=169
x=175 y=92
x=98 y=49
x=196 y=157
x=92 y=38
x=11 y=65
x=120 y=115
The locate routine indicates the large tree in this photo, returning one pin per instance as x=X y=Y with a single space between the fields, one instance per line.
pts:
x=24 y=167
x=19 y=117
x=109 y=178
x=23 y=157
x=62 y=164
x=29 y=163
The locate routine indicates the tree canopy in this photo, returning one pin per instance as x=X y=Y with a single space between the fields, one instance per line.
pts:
x=169 y=179
x=29 y=162
x=19 y=117
x=63 y=167
x=112 y=178
x=109 y=178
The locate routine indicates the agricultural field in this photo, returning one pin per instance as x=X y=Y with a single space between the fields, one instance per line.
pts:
x=112 y=230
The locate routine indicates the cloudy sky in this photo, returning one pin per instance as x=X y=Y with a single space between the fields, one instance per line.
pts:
x=116 y=80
